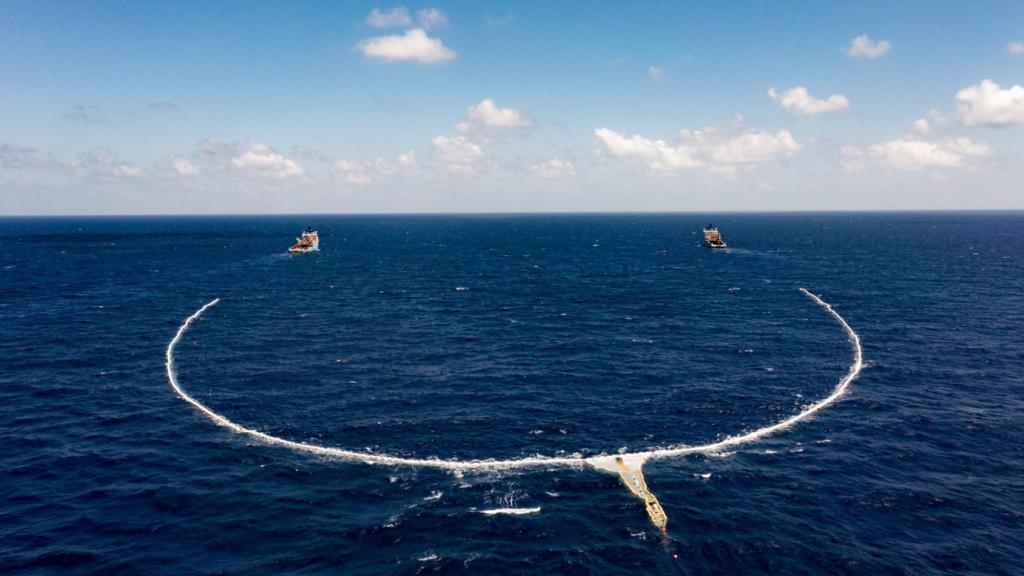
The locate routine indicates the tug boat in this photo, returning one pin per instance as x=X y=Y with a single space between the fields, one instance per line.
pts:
x=308 y=242
x=713 y=238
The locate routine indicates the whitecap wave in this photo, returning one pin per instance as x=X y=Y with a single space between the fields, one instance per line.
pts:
x=510 y=511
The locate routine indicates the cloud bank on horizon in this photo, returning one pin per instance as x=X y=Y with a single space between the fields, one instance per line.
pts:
x=425 y=108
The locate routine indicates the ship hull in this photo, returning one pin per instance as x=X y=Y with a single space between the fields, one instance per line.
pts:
x=314 y=247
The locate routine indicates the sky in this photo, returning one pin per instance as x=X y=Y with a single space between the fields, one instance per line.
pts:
x=148 y=107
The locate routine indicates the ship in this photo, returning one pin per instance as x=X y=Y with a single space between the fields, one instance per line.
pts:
x=308 y=242
x=712 y=237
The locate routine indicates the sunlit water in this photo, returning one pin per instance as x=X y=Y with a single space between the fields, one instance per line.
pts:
x=473 y=338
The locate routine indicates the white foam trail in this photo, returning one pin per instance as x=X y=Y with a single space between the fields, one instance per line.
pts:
x=511 y=511
x=535 y=461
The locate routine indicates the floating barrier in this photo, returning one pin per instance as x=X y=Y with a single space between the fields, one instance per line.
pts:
x=628 y=466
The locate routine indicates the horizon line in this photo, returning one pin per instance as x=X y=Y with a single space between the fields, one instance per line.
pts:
x=521 y=213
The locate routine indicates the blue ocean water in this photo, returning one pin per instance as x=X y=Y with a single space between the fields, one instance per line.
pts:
x=476 y=337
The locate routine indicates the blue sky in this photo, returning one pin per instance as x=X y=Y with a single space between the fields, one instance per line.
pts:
x=146 y=107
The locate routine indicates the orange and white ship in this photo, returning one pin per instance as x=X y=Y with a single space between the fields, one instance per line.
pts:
x=713 y=238
x=308 y=242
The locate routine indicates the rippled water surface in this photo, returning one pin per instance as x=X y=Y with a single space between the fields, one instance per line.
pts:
x=506 y=337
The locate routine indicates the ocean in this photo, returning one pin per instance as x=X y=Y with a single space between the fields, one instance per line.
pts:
x=509 y=338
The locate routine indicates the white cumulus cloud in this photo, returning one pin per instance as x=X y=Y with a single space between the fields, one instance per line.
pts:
x=488 y=114
x=183 y=167
x=553 y=168
x=394 y=18
x=414 y=45
x=922 y=125
x=657 y=154
x=457 y=154
x=799 y=101
x=863 y=47
x=351 y=165
x=986 y=104
x=262 y=160
x=402 y=164
x=749 y=147
x=909 y=153
x=361 y=172
x=721 y=150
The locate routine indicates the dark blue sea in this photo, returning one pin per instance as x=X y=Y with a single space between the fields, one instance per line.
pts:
x=500 y=337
